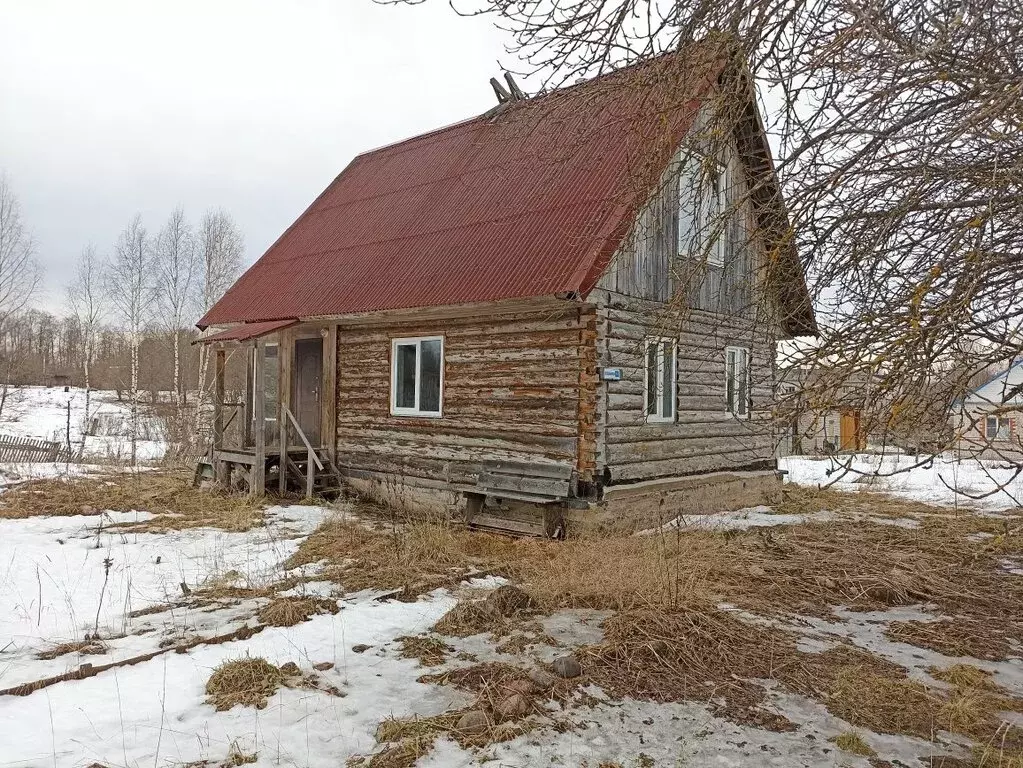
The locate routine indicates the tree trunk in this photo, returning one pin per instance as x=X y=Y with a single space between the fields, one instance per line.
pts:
x=177 y=370
x=134 y=397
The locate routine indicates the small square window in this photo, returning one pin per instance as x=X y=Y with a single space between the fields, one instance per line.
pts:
x=997 y=428
x=660 y=379
x=417 y=376
x=737 y=380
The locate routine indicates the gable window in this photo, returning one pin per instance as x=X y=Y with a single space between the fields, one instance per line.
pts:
x=997 y=428
x=660 y=379
x=714 y=201
x=417 y=376
x=737 y=380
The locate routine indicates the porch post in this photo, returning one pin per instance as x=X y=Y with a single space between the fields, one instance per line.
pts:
x=258 y=485
x=284 y=351
x=248 y=412
x=328 y=430
x=219 y=466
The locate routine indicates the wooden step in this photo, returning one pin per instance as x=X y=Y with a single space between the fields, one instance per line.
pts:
x=499 y=524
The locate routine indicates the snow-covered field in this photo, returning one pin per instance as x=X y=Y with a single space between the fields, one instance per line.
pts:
x=944 y=480
x=41 y=413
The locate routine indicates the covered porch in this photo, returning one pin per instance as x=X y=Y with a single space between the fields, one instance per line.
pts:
x=279 y=434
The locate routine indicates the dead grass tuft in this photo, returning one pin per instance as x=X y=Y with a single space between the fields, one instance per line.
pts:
x=84 y=647
x=169 y=495
x=470 y=617
x=698 y=654
x=976 y=703
x=415 y=558
x=962 y=636
x=852 y=742
x=235 y=757
x=289 y=611
x=430 y=651
x=248 y=681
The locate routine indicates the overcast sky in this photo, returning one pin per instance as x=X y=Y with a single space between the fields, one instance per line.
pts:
x=112 y=107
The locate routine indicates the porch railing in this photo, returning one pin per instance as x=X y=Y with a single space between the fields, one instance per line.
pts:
x=312 y=460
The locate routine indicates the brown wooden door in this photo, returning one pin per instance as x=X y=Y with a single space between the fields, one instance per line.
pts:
x=850 y=431
x=306 y=382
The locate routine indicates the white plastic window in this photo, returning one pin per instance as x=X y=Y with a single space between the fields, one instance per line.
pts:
x=417 y=376
x=660 y=380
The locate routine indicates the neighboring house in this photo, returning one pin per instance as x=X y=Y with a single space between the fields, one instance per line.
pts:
x=817 y=418
x=987 y=420
x=531 y=308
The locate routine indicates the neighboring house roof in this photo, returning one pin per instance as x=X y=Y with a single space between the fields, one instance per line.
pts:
x=530 y=200
x=1004 y=388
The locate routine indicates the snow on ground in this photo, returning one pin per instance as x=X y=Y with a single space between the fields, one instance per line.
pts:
x=41 y=413
x=766 y=517
x=943 y=480
x=55 y=579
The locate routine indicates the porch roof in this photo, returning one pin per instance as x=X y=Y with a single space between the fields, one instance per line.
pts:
x=247 y=331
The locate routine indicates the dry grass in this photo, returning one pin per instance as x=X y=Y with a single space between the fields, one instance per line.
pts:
x=409 y=739
x=430 y=651
x=852 y=742
x=289 y=611
x=85 y=647
x=248 y=681
x=414 y=558
x=168 y=495
x=982 y=639
x=668 y=641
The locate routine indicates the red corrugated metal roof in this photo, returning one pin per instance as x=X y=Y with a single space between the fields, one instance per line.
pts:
x=532 y=201
x=247 y=331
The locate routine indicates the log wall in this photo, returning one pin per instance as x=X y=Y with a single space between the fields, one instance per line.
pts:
x=517 y=387
x=705 y=437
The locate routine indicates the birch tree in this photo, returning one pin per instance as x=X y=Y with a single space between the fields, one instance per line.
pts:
x=19 y=271
x=219 y=247
x=175 y=256
x=130 y=290
x=85 y=297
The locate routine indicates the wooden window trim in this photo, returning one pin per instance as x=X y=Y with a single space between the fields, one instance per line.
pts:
x=658 y=342
x=415 y=412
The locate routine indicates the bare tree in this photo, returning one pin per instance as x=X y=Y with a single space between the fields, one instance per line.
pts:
x=20 y=273
x=219 y=255
x=85 y=297
x=896 y=130
x=175 y=256
x=130 y=288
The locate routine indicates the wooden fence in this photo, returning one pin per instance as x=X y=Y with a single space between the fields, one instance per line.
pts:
x=23 y=449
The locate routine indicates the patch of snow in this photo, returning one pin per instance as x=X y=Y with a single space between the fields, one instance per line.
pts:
x=41 y=413
x=737 y=520
x=54 y=581
x=941 y=480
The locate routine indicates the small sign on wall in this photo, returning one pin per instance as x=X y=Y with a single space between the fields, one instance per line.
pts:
x=610 y=374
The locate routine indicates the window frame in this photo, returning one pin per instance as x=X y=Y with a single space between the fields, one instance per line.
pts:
x=1000 y=422
x=748 y=370
x=658 y=342
x=716 y=251
x=416 y=411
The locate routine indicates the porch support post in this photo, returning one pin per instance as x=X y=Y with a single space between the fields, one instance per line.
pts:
x=328 y=430
x=258 y=485
x=284 y=352
x=219 y=466
x=248 y=413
